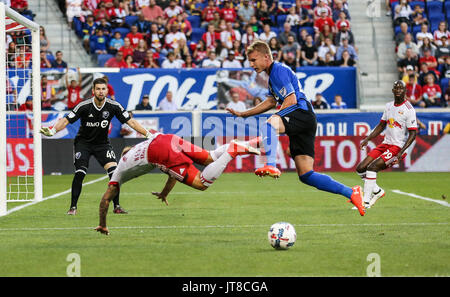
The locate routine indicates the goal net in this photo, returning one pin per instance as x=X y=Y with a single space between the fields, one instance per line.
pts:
x=20 y=110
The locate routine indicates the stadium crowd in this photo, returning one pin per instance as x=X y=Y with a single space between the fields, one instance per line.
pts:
x=423 y=49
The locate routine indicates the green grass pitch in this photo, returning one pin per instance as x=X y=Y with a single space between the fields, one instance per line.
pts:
x=223 y=231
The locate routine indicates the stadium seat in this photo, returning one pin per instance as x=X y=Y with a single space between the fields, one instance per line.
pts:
x=444 y=84
x=195 y=20
x=447 y=6
x=281 y=19
x=101 y=59
x=309 y=29
x=78 y=27
x=417 y=29
x=123 y=31
x=434 y=7
x=414 y=3
x=131 y=19
x=197 y=34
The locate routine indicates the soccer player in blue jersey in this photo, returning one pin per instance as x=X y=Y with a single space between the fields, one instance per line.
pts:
x=296 y=118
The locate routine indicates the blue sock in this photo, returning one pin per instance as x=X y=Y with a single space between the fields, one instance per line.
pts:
x=325 y=183
x=270 y=142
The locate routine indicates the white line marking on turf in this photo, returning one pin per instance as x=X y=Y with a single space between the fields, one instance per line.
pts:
x=53 y=196
x=224 y=226
x=423 y=198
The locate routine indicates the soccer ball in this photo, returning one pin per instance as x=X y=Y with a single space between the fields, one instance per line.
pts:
x=282 y=236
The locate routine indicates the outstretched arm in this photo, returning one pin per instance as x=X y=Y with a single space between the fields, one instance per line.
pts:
x=262 y=107
x=167 y=188
x=110 y=193
x=60 y=124
x=375 y=132
x=138 y=127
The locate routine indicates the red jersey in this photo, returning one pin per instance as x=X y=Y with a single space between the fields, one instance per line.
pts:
x=320 y=23
x=208 y=13
x=134 y=39
x=432 y=90
x=73 y=96
x=413 y=90
x=228 y=14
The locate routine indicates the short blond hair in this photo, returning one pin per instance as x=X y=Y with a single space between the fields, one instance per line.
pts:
x=259 y=46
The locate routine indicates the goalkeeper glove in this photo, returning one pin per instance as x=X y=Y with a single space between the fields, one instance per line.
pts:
x=48 y=131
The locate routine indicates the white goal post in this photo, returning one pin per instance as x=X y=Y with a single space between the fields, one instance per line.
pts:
x=11 y=21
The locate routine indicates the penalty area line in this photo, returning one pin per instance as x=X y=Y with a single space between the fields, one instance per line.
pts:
x=53 y=196
x=443 y=203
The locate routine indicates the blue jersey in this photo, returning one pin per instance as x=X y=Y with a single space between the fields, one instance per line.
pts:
x=282 y=83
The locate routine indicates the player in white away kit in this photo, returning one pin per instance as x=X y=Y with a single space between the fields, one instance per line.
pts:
x=399 y=119
x=176 y=157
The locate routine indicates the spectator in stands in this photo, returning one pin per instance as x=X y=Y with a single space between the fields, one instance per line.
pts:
x=245 y=12
x=403 y=11
x=139 y=52
x=116 y=61
x=342 y=21
x=305 y=18
x=443 y=51
x=275 y=48
x=212 y=61
x=115 y=43
x=189 y=63
x=44 y=41
x=73 y=89
x=74 y=8
x=249 y=36
x=292 y=18
x=346 y=60
x=229 y=35
x=445 y=70
x=423 y=34
x=239 y=52
x=400 y=36
x=118 y=13
x=409 y=60
x=45 y=63
x=129 y=62
x=171 y=62
x=338 y=103
x=322 y=8
x=167 y=104
x=23 y=57
x=154 y=39
x=228 y=13
x=344 y=33
x=208 y=13
x=326 y=47
x=101 y=12
x=326 y=33
x=221 y=50
x=200 y=52
x=183 y=23
x=231 y=62
x=141 y=4
x=172 y=37
x=429 y=60
x=264 y=12
x=267 y=33
x=323 y=20
x=152 y=11
x=210 y=36
x=432 y=92
x=99 y=43
x=441 y=31
x=235 y=103
x=407 y=43
x=320 y=102
x=309 y=53
x=48 y=94
x=414 y=92
x=142 y=24
x=134 y=36
x=105 y=26
x=346 y=47
x=88 y=31
x=195 y=7
x=427 y=45
x=418 y=16
x=172 y=10
x=328 y=61
x=338 y=9
x=291 y=52
x=59 y=62
x=145 y=104
x=447 y=95
x=150 y=60
x=283 y=36
x=424 y=72
x=126 y=49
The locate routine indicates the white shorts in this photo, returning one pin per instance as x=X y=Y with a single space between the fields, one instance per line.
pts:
x=133 y=164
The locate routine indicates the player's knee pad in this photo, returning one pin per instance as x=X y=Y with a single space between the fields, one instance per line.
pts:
x=110 y=171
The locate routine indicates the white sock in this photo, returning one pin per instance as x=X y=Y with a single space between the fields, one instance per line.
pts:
x=215 y=154
x=362 y=175
x=215 y=169
x=369 y=183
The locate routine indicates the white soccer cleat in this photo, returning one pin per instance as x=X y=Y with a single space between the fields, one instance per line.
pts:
x=376 y=197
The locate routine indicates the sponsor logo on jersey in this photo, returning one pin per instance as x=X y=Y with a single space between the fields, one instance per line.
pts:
x=104 y=124
x=92 y=124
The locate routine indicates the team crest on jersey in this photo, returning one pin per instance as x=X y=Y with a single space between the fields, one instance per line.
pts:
x=77 y=155
x=105 y=114
x=283 y=92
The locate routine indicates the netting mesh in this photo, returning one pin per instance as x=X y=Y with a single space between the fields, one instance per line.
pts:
x=19 y=119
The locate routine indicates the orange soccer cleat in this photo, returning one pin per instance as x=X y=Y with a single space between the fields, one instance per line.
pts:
x=357 y=198
x=268 y=170
x=238 y=148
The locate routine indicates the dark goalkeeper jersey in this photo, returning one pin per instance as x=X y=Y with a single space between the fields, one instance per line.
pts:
x=94 y=126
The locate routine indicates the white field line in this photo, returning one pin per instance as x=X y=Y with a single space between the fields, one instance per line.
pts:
x=53 y=196
x=444 y=203
x=227 y=226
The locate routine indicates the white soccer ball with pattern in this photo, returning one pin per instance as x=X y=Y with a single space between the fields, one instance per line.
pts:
x=282 y=235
